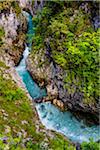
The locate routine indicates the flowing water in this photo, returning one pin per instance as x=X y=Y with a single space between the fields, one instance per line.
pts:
x=50 y=116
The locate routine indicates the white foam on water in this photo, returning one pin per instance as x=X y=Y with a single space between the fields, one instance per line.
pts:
x=53 y=119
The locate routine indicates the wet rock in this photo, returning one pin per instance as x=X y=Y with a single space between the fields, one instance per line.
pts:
x=30 y=6
x=38 y=100
x=44 y=116
x=42 y=107
x=58 y=126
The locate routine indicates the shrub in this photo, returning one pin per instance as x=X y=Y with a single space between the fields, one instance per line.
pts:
x=73 y=46
x=90 y=146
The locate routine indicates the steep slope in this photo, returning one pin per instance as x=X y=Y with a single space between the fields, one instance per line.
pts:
x=13 y=22
x=19 y=124
x=65 y=56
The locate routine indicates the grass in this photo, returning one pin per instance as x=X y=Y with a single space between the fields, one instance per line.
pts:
x=18 y=120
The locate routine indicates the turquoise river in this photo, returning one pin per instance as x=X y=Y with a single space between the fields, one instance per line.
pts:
x=51 y=117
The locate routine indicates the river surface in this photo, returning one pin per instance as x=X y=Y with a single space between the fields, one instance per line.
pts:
x=51 y=117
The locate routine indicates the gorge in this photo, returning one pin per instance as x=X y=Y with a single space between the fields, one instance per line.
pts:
x=49 y=89
x=50 y=116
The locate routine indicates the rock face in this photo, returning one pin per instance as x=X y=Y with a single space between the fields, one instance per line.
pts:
x=10 y=72
x=47 y=73
x=31 y=6
x=41 y=74
x=15 y=27
x=13 y=41
x=52 y=78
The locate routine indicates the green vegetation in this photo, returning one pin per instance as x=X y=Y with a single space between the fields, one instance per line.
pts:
x=2 y=33
x=16 y=7
x=16 y=108
x=19 y=125
x=5 y=5
x=74 y=46
x=18 y=120
x=90 y=146
x=59 y=144
x=10 y=143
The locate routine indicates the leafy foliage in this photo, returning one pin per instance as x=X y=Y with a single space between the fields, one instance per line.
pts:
x=74 y=45
x=11 y=143
x=83 y=63
x=18 y=119
x=90 y=146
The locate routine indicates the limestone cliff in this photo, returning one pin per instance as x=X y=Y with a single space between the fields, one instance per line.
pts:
x=14 y=25
x=31 y=6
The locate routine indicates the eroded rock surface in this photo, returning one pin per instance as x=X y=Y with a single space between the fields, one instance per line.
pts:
x=15 y=27
x=47 y=72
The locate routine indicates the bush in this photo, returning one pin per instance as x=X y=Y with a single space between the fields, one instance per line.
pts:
x=90 y=146
x=73 y=46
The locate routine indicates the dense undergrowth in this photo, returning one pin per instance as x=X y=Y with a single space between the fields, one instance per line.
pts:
x=73 y=44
